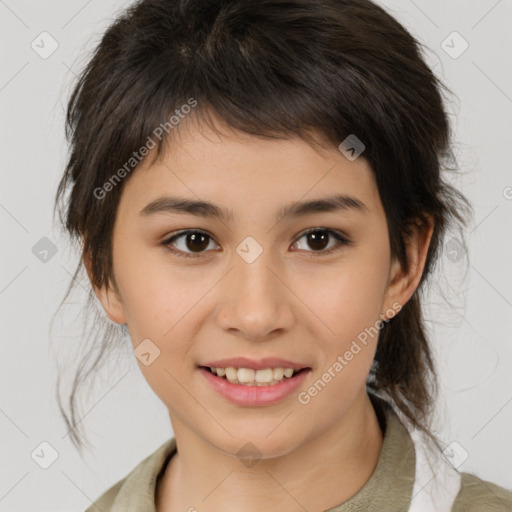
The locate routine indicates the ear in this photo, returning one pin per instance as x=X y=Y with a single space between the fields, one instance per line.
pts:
x=402 y=284
x=108 y=296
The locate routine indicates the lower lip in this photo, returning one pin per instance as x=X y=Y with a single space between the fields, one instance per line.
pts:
x=254 y=395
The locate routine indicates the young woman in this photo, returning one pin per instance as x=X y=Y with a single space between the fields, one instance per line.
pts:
x=258 y=191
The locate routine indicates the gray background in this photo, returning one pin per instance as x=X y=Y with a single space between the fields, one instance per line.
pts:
x=124 y=419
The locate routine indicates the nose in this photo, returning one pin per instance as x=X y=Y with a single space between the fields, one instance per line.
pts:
x=257 y=303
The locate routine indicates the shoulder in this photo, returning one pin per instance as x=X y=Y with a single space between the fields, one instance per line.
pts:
x=136 y=490
x=477 y=495
x=106 y=500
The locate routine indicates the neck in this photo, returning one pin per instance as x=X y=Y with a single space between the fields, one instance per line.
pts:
x=336 y=464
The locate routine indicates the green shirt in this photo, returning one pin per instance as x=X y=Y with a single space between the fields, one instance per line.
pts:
x=389 y=488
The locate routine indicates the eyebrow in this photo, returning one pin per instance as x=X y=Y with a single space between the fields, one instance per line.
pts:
x=205 y=209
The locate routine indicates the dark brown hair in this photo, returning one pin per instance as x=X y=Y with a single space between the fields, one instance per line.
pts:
x=314 y=69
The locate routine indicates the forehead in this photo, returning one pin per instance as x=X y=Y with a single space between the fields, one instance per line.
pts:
x=239 y=171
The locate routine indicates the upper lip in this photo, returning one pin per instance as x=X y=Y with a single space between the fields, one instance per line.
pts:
x=261 y=364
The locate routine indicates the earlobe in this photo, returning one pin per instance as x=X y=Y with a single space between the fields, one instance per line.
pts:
x=108 y=297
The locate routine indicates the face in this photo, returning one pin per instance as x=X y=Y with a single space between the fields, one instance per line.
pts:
x=195 y=287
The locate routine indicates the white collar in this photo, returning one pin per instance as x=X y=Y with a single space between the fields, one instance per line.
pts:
x=436 y=482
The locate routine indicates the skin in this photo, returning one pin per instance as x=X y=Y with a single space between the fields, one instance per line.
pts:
x=286 y=304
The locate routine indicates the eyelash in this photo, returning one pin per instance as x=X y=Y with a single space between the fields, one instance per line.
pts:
x=344 y=241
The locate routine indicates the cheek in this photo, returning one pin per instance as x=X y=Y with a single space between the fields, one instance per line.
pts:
x=153 y=290
x=347 y=297
x=166 y=305
x=158 y=309
x=348 y=303
x=350 y=306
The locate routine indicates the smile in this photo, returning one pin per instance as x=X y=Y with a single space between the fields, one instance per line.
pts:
x=241 y=386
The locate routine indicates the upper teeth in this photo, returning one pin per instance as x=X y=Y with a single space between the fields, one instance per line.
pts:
x=248 y=376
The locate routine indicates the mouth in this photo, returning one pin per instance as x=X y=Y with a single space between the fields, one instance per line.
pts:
x=249 y=387
x=255 y=377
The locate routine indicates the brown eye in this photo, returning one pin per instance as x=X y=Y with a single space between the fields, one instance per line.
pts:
x=318 y=240
x=194 y=241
